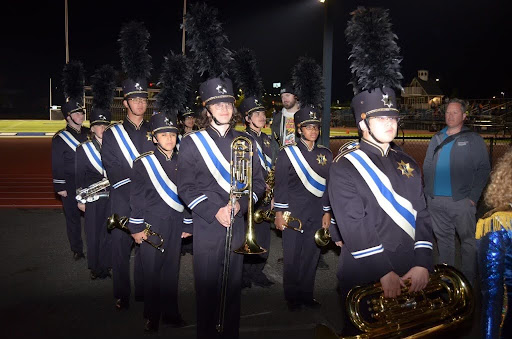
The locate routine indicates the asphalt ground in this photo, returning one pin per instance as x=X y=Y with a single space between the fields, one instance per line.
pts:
x=46 y=294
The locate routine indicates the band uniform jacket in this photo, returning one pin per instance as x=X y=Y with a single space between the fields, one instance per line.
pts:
x=86 y=172
x=290 y=194
x=368 y=232
x=263 y=141
x=63 y=159
x=118 y=169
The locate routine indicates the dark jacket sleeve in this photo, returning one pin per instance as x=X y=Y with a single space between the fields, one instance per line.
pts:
x=80 y=169
x=429 y=167
x=359 y=235
x=281 y=199
x=137 y=198
x=59 y=179
x=188 y=223
x=326 y=205
x=109 y=157
x=481 y=165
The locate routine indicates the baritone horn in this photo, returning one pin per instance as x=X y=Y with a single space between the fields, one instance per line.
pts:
x=445 y=302
x=120 y=223
x=240 y=185
x=270 y=216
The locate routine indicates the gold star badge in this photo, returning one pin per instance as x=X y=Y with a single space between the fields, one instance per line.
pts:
x=149 y=136
x=322 y=160
x=405 y=168
x=266 y=142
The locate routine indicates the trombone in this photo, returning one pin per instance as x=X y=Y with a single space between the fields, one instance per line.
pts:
x=241 y=184
x=120 y=223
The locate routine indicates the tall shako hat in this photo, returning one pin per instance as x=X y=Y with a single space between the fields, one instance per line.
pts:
x=135 y=60
x=308 y=86
x=206 y=41
x=287 y=88
x=73 y=80
x=248 y=79
x=375 y=63
x=103 y=86
x=163 y=122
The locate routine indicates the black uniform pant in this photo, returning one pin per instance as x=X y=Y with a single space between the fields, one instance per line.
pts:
x=122 y=244
x=161 y=270
x=255 y=263
x=73 y=222
x=209 y=243
x=300 y=259
x=99 y=243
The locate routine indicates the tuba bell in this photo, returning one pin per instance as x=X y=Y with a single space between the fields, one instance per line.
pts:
x=322 y=237
x=445 y=302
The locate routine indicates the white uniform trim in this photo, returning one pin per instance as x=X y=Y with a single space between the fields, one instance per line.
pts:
x=312 y=181
x=125 y=144
x=69 y=139
x=94 y=157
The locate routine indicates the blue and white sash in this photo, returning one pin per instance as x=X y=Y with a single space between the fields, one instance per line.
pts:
x=125 y=143
x=397 y=207
x=69 y=139
x=178 y=141
x=94 y=157
x=310 y=179
x=163 y=185
x=217 y=165
x=265 y=160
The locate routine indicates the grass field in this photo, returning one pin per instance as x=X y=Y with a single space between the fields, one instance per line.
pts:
x=49 y=126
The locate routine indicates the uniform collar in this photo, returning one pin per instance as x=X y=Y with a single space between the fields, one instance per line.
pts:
x=77 y=131
x=306 y=145
x=167 y=158
x=374 y=148
x=253 y=131
x=218 y=132
x=133 y=124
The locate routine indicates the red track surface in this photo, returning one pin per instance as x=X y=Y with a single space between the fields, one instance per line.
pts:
x=25 y=173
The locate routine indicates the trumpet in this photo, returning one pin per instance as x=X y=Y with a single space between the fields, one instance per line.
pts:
x=322 y=237
x=270 y=216
x=240 y=184
x=93 y=191
x=120 y=223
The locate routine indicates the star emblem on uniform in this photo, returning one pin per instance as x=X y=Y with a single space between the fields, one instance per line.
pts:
x=386 y=100
x=221 y=89
x=266 y=142
x=102 y=117
x=322 y=160
x=138 y=86
x=78 y=105
x=312 y=115
x=256 y=102
x=149 y=136
x=167 y=121
x=405 y=168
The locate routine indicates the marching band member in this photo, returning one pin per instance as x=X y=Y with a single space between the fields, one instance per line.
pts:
x=301 y=173
x=154 y=200
x=248 y=80
x=90 y=170
x=123 y=142
x=204 y=182
x=375 y=188
x=64 y=144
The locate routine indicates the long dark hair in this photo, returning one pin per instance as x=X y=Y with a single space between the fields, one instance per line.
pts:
x=204 y=120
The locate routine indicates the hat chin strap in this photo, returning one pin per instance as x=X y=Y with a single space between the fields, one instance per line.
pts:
x=217 y=122
x=71 y=117
x=370 y=131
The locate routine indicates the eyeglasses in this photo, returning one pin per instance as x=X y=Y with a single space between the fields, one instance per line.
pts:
x=384 y=119
x=311 y=127
x=138 y=100
x=218 y=106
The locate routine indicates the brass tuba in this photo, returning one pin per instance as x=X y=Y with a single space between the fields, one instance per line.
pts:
x=120 y=223
x=241 y=184
x=445 y=302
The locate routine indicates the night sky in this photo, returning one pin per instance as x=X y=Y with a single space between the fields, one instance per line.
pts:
x=463 y=43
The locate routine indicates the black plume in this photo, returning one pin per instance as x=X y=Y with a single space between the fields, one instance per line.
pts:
x=246 y=74
x=103 y=86
x=134 y=39
x=73 y=80
x=174 y=84
x=308 y=82
x=375 y=53
x=206 y=41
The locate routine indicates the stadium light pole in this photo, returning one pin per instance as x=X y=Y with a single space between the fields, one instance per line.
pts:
x=66 y=29
x=327 y=71
x=183 y=27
